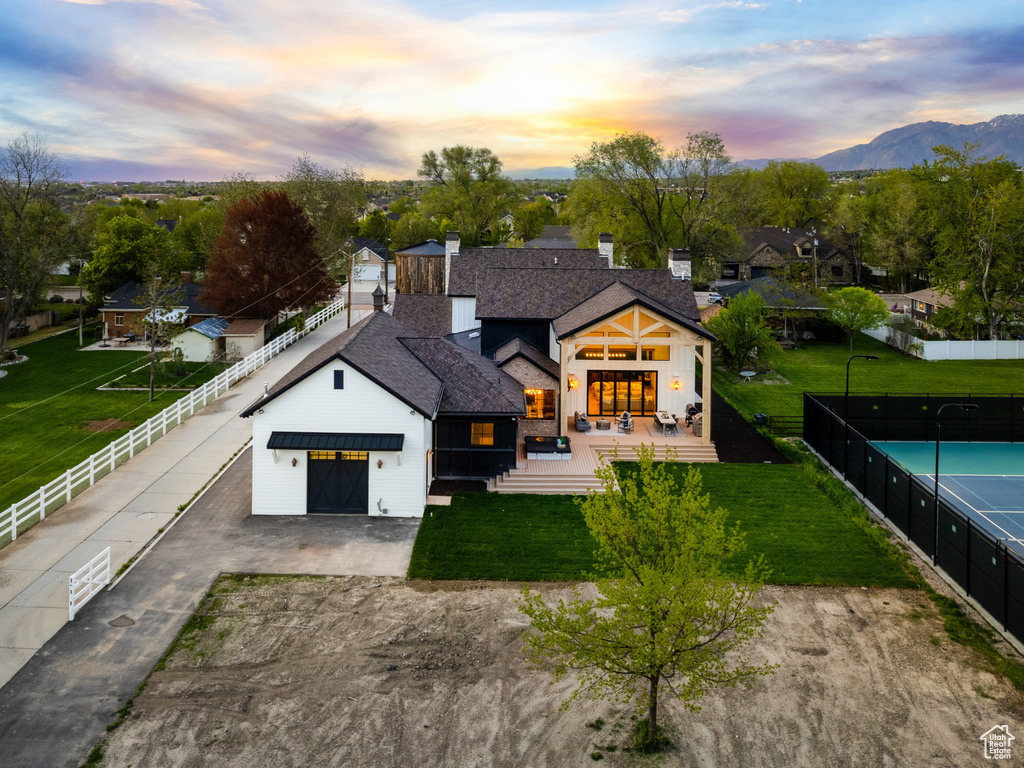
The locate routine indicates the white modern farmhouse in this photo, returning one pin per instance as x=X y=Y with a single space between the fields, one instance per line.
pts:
x=488 y=348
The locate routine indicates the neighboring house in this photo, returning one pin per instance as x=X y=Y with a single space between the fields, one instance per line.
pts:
x=791 y=249
x=365 y=422
x=622 y=339
x=369 y=257
x=787 y=306
x=924 y=304
x=122 y=313
x=245 y=335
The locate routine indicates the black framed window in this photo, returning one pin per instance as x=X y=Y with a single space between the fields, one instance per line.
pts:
x=339 y=379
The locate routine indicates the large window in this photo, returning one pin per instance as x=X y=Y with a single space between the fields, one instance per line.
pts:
x=481 y=434
x=540 y=403
x=609 y=393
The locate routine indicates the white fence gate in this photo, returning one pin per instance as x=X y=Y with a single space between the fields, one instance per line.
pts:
x=60 y=491
x=87 y=581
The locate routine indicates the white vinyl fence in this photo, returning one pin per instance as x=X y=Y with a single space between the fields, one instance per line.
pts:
x=60 y=491
x=87 y=581
x=947 y=349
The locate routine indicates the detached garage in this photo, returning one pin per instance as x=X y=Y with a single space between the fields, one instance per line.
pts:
x=353 y=428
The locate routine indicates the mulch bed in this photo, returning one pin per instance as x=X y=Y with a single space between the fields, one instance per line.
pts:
x=736 y=441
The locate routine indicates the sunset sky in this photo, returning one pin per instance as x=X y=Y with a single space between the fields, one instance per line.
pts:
x=203 y=89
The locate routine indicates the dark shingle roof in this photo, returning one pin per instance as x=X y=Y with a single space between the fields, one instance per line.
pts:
x=358 y=243
x=124 y=298
x=612 y=300
x=784 y=240
x=429 y=248
x=431 y=375
x=520 y=347
x=472 y=384
x=470 y=267
x=371 y=346
x=774 y=295
x=426 y=314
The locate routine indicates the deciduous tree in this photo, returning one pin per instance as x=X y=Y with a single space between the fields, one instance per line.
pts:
x=651 y=199
x=669 y=616
x=33 y=230
x=127 y=247
x=331 y=199
x=468 y=189
x=742 y=332
x=978 y=210
x=857 y=309
x=265 y=260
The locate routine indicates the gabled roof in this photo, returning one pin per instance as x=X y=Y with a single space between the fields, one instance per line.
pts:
x=784 y=240
x=372 y=347
x=775 y=295
x=425 y=313
x=611 y=301
x=358 y=243
x=472 y=384
x=520 y=347
x=431 y=375
x=428 y=248
x=124 y=298
x=246 y=327
x=212 y=327
x=931 y=296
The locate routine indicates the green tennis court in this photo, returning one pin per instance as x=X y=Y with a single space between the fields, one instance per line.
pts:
x=983 y=480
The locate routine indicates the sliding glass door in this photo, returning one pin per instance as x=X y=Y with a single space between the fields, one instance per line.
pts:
x=609 y=393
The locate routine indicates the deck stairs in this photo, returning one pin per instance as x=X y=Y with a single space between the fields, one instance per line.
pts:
x=577 y=475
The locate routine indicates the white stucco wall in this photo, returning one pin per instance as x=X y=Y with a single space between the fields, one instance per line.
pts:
x=313 y=405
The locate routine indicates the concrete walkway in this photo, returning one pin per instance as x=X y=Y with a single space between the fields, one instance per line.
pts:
x=126 y=509
x=55 y=709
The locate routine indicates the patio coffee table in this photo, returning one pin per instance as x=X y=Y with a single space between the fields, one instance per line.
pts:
x=604 y=424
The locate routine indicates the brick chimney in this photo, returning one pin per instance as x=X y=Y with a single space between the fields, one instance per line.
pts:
x=451 y=248
x=680 y=263
x=605 y=249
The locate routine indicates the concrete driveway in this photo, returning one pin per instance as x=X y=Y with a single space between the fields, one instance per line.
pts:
x=58 y=705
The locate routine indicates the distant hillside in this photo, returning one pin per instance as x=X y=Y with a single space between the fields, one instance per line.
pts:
x=912 y=144
x=550 y=172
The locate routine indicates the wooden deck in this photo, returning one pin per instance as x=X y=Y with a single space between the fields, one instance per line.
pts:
x=589 y=450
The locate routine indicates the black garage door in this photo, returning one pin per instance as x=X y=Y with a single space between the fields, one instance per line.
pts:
x=337 y=482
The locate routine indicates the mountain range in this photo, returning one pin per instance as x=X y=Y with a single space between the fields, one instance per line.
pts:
x=912 y=144
x=898 y=148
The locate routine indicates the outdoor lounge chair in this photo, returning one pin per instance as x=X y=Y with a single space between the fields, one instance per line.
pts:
x=582 y=422
x=625 y=422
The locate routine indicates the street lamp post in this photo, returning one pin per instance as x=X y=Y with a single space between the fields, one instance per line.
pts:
x=938 y=439
x=846 y=410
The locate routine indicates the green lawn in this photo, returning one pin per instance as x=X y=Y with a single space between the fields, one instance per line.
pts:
x=46 y=402
x=196 y=374
x=821 y=367
x=804 y=537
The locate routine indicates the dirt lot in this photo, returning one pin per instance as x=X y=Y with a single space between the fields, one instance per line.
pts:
x=363 y=672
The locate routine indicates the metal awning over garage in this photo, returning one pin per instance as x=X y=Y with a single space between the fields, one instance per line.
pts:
x=335 y=441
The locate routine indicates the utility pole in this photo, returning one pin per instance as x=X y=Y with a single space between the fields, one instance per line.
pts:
x=351 y=267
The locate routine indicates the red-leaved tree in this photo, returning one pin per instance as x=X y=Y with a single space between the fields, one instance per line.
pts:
x=264 y=260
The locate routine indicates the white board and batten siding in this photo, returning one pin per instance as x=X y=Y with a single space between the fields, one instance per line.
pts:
x=464 y=314
x=314 y=405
